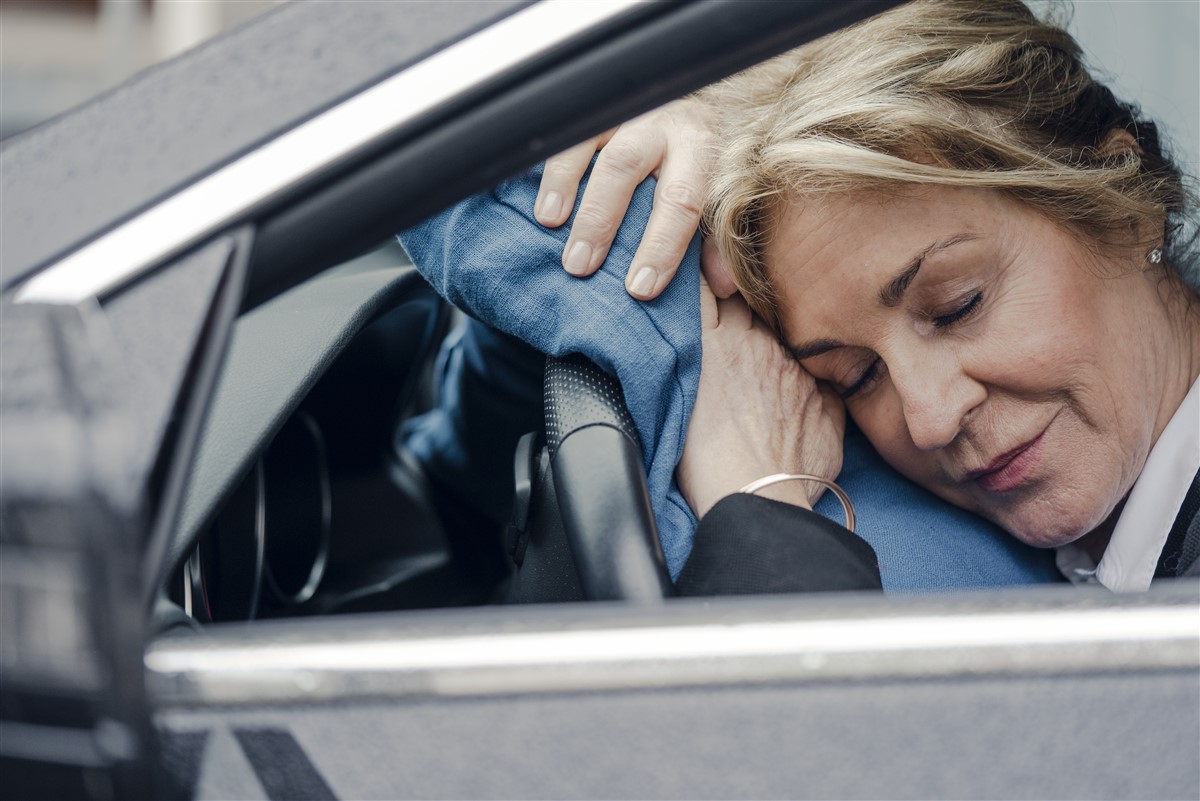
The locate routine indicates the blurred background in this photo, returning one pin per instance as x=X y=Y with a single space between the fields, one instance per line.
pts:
x=1147 y=51
x=55 y=54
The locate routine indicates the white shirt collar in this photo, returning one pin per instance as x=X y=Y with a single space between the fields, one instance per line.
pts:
x=1141 y=532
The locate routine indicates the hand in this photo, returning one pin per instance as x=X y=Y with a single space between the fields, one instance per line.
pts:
x=758 y=412
x=672 y=143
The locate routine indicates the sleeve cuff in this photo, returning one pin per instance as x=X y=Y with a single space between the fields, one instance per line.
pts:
x=748 y=545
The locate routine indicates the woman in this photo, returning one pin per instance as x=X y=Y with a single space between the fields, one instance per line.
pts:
x=966 y=240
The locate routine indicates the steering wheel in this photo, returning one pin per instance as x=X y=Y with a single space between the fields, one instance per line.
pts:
x=600 y=485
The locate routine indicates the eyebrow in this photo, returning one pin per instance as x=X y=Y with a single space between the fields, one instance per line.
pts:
x=814 y=348
x=893 y=291
x=890 y=296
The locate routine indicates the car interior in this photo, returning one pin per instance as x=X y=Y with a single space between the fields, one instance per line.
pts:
x=301 y=502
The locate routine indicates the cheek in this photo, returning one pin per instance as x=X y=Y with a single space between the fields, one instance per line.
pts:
x=1022 y=350
x=1042 y=364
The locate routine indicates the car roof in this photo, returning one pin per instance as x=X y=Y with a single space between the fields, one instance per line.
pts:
x=559 y=73
x=72 y=178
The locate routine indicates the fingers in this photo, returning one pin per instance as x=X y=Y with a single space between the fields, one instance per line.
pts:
x=708 y=307
x=673 y=143
x=560 y=181
x=834 y=408
x=716 y=270
x=734 y=313
x=631 y=155
x=724 y=312
x=678 y=199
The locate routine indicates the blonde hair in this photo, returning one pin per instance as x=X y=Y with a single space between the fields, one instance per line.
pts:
x=977 y=93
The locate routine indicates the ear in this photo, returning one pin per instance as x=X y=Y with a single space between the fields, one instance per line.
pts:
x=1117 y=142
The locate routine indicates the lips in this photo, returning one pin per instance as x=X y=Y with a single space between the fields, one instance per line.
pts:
x=1011 y=468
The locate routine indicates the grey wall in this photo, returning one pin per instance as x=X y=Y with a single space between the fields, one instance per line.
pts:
x=1148 y=51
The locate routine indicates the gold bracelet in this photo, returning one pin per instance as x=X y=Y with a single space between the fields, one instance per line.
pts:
x=766 y=481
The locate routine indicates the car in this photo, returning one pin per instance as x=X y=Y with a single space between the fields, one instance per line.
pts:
x=218 y=580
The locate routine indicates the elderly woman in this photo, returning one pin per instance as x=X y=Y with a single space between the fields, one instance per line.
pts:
x=969 y=245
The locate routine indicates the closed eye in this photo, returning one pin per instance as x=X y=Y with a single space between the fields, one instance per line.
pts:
x=961 y=313
x=866 y=380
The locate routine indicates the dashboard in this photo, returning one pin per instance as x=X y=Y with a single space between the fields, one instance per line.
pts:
x=297 y=504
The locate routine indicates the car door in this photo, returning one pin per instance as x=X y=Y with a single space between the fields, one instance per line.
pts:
x=298 y=142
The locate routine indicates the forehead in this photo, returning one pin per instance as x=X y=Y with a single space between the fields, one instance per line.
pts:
x=821 y=248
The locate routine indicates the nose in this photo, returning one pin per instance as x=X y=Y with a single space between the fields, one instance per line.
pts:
x=937 y=395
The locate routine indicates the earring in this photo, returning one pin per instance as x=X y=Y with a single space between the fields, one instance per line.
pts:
x=1155 y=256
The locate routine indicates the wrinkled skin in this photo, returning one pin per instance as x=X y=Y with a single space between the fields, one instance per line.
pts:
x=1019 y=374
x=758 y=412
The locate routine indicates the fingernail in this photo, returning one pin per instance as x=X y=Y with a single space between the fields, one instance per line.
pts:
x=550 y=207
x=578 y=259
x=644 y=281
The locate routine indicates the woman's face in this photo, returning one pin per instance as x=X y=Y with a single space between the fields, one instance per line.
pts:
x=984 y=351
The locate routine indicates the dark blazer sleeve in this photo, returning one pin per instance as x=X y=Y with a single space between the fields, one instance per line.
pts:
x=748 y=544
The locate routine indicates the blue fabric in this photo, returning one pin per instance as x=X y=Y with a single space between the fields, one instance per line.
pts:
x=488 y=256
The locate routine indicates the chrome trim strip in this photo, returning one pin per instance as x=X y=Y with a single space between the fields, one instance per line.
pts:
x=124 y=253
x=663 y=655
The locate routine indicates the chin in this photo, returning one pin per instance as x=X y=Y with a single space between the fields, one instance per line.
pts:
x=1049 y=527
